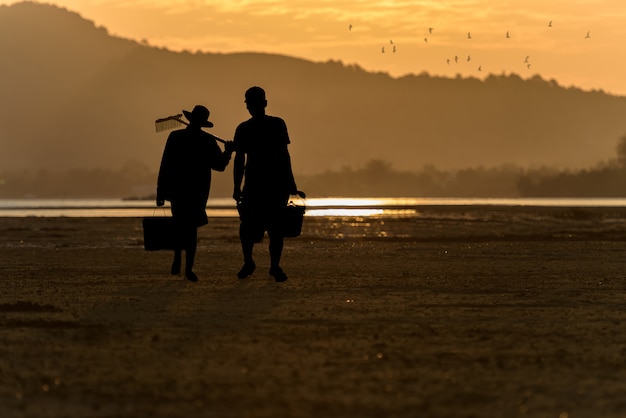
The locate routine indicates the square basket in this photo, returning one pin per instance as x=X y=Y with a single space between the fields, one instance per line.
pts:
x=159 y=233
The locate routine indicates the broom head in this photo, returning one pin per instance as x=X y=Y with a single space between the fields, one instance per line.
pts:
x=170 y=122
x=176 y=121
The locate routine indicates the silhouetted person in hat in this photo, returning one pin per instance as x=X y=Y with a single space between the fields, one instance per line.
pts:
x=263 y=163
x=185 y=180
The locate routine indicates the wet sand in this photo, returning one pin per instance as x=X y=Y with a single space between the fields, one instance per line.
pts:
x=453 y=312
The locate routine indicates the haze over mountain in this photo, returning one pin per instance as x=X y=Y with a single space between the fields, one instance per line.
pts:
x=74 y=96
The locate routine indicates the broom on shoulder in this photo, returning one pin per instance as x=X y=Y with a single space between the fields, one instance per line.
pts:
x=175 y=121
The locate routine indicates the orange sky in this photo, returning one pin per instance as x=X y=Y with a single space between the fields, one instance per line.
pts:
x=319 y=30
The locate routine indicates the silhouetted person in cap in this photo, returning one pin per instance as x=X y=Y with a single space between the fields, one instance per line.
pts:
x=185 y=180
x=263 y=163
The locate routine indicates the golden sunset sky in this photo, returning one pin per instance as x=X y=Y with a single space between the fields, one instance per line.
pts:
x=319 y=30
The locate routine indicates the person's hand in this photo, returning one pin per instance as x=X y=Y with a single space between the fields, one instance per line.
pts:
x=160 y=202
x=229 y=147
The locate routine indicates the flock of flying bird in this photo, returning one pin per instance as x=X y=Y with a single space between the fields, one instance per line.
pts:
x=469 y=36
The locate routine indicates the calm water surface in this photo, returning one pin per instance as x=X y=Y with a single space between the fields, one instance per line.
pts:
x=329 y=207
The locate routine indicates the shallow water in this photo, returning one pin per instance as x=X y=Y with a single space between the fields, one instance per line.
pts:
x=316 y=207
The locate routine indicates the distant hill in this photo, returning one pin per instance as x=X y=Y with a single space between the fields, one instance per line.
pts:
x=75 y=96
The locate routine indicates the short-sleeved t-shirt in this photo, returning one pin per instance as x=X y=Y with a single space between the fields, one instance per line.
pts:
x=267 y=173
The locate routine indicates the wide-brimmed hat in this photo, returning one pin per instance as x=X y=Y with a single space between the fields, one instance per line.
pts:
x=199 y=116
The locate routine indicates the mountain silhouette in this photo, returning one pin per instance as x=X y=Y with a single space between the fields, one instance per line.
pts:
x=75 y=96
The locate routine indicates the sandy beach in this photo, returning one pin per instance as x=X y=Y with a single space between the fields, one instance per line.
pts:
x=452 y=312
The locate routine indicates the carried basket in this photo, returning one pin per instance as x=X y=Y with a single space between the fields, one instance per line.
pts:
x=293 y=218
x=159 y=233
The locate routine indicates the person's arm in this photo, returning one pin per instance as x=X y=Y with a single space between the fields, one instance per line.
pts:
x=238 y=170
x=239 y=164
x=291 y=181
x=164 y=177
x=221 y=159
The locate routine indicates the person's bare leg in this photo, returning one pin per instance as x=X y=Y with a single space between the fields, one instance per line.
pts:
x=191 y=244
x=276 y=252
x=247 y=246
x=176 y=263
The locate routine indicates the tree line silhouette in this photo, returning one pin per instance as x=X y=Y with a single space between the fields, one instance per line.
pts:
x=377 y=178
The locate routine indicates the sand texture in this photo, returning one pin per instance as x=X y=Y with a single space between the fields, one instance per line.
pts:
x=450 y=312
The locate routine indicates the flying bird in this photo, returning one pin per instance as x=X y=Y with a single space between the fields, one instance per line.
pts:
x=526 y=59
x=480 y=68
x=394 y=49
x=528 y=66
x=391 y=41
x=456 y=58
x=448 y=61
x=508 y=35
x=430 y=30
x=469 y=35
x=426 y=40
x=550 y=24
x=469 y=58
x=588 y=35
x=350 y=27
x=383 y=50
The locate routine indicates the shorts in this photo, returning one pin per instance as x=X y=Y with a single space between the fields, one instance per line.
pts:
x=256 y=219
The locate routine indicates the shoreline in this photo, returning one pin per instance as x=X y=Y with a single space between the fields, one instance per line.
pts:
x=326 y=207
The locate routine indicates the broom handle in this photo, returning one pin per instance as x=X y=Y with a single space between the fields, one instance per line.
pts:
x=177 y=119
